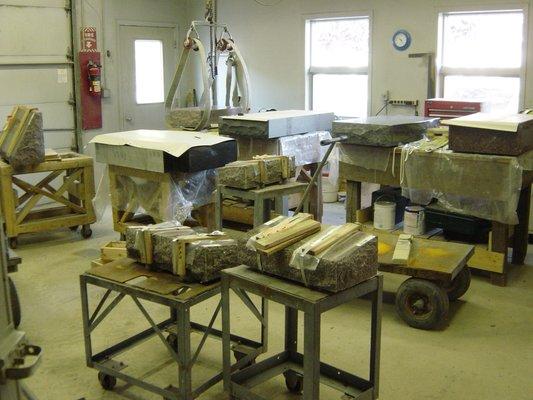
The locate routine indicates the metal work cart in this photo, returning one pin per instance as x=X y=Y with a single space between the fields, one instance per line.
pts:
x=167 y=290
x=301 y=371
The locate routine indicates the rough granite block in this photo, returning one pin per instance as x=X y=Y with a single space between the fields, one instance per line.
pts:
x=488 y=141
x=161 y=240
x=191 y=117
x=205 y=259
x=274 y=124
x=23 y=142
x=336 y=271
x=383 y=131
x=252 y=174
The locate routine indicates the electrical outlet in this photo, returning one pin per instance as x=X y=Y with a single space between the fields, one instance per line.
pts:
x=411 y=103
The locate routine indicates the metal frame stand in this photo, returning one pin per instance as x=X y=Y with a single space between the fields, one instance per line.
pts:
x=262 y=200
x=178 y=346
x=301 y=371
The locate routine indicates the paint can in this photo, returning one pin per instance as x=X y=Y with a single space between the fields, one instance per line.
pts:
x=414 y=220
x=384 y=213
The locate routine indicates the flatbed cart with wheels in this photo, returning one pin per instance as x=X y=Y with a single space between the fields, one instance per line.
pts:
x=125 y=278
x=438 y=274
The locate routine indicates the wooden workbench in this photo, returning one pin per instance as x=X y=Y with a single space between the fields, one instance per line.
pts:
x=68 y=183
x=463 y=184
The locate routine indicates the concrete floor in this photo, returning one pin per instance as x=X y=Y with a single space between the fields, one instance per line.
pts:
x=485 y=353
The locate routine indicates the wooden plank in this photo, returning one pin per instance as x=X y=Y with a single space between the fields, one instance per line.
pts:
x=332 y=237
x=8 y=204
x=402 y=251
x=47 y=224
x=113 y=250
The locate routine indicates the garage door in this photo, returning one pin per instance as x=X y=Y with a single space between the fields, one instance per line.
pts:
x=36 y=67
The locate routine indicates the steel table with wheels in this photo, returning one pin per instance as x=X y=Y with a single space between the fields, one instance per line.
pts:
x=125 y=278
x=301 y=371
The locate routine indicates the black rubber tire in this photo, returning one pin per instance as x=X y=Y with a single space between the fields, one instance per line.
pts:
x=108 y=382
x=422 y=304
x=294 y=382
x=15 y=303
x=459 y=285
x=73 y=228
x=172 y=340
x=86 y=231
x=13 y=242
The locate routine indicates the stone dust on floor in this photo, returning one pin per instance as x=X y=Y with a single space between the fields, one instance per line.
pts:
x=485 y=353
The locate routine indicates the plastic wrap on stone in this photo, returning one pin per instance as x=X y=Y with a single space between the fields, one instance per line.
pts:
x=186 y=192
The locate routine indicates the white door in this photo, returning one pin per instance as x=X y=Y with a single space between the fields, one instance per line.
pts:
x=36 y=65
x=147 y=62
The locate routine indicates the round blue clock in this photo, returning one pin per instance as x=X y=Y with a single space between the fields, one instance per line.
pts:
x=401 y=40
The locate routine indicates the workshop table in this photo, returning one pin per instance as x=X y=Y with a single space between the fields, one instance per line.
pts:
x=301 y=371
x=450 y=182
x=126 y=278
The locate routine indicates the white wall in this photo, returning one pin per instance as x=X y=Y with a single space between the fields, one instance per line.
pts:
x=105 y=15
x=272 y=42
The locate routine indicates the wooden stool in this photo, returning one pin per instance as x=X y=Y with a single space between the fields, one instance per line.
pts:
x=262 y=200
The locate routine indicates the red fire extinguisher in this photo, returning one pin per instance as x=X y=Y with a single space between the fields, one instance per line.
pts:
x=95 y=72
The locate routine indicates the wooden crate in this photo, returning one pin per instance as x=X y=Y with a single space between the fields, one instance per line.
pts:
x=113 y=250
x=68 y=184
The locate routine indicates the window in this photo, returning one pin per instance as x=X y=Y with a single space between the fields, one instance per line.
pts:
x=337 y=65
x=149 y=77
x=480 y=58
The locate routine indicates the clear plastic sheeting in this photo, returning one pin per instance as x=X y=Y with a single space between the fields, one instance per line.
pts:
x=483 y=186
x=172 y=202
x=306 y=148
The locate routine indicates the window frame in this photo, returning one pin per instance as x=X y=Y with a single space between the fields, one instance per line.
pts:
x=519 y=72
x=310 y=71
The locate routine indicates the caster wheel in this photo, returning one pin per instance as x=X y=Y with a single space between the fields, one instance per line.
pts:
x=458 y=287
x=86 y=231
x=73 y=228
x=422 y=304
x=108 y=382
x=15 y=303
x=13 y=242
x=239 y=355
x=294 y=382
x=172 y=340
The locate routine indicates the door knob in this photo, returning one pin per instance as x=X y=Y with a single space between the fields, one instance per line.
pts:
x=128 y=118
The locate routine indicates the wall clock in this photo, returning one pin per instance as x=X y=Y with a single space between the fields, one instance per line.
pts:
x=401 y=40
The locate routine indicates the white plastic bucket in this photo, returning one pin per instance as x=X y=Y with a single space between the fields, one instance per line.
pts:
x=414 y=220
x=330 y=190
x=384 y=215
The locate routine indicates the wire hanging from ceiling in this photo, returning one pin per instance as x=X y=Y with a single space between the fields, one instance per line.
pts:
x=262 y=3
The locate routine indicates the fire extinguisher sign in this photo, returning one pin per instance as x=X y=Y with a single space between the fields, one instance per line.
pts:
x=88 y=39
